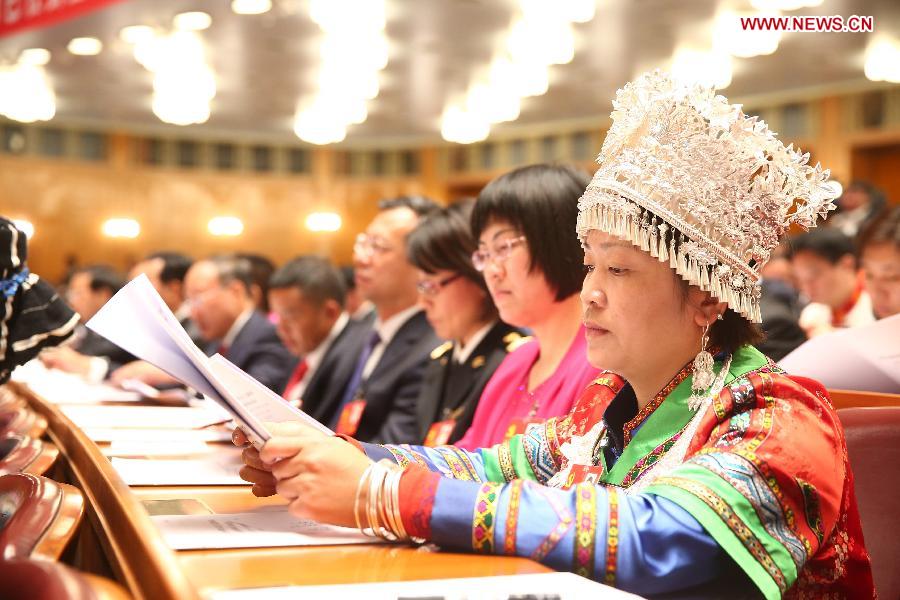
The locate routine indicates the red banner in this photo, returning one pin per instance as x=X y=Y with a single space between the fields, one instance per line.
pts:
x=18 y=15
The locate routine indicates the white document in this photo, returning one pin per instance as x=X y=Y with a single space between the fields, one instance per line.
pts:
x=145 y=417
x=138 y=447
x=106 y=434
x=60 y=387
x=865 y=358
x=219 y=469
x=138 y=320
x=252 y=529
x=566 y=586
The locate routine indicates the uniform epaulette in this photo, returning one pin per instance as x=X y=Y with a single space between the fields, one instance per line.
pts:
x=515 y=339
x=441 y=350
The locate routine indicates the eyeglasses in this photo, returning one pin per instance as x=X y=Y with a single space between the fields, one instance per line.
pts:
x=367 y=245
x=202 y=297
x=499 y=255
x=431 y=288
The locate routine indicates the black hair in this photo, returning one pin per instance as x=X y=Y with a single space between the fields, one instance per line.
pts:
x=541 y=201
x=885 y=229
x=175 y=265
x=315 y=277
x=420 y=205
x=103 y=277
x=261 y=269
x=349 y=277
x=444 y=241
x=830 y=244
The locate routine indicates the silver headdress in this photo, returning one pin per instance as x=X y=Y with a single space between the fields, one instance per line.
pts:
x=689 y=178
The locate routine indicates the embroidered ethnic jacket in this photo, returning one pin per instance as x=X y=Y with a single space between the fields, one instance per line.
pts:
x=763 y=470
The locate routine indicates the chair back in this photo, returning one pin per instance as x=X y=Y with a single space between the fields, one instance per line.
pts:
x=873 y=444
x=38 y=516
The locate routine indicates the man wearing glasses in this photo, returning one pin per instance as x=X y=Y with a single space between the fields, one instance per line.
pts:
x=379 y=402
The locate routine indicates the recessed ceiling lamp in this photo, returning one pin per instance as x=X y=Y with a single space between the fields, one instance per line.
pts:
x=121 y=228
x=225 y=226
x=883 y=61
x=85 y=46
x=251 y=7
x=34 y=56
x=323 y=221
x=26 y=94
x=192 y=21
x=135 y=34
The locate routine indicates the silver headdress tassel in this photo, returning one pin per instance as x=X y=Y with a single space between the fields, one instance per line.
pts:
x=687 y=177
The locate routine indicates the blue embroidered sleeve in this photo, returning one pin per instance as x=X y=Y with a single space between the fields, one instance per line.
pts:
x=641 y=543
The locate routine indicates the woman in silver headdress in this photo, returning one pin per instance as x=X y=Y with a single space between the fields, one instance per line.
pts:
x=710 y=467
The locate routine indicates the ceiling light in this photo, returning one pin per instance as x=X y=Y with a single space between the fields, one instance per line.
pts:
x=135 y=34
x=34 y=56
x=463 y=127
x=225 y=226
x=85 y=46
x=121 y=228
x=192 y=21
x=26 y=227
x=251 y=7
x=25 y=94
x=323 y=221
x=883 y=61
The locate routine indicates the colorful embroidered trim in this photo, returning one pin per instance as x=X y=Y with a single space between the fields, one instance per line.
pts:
x=415 y=455
x=562 y=526
x=641 y=466
x=585 y=529
x=612 y=536
x=402 y=460
x=464 y=458
x=648 y=410
x=538 y=453
x=734 y=523
x=485 y=513
x=504 y=457
x=550 y=434
x=512 y=517
x=458 y=469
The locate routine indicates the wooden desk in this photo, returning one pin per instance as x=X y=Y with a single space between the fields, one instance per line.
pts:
x=121 y=541
x=854 y=399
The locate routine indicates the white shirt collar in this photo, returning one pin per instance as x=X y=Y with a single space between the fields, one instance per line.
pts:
x=388 y=329
x=314 y=357
x=462 y=353
x=236 y=327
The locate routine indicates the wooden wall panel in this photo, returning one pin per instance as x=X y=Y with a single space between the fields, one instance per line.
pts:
x=69 y=201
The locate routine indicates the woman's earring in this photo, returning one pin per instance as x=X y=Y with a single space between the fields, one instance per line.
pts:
x=703 y=372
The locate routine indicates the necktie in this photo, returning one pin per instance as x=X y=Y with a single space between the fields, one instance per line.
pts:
x=356 y=379
x=296 y=377
x=223 y=350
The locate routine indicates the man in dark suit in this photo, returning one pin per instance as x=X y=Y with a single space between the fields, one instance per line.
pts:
x=90 y=354
x=379 y=402
x=307 y=295
x=218 y=291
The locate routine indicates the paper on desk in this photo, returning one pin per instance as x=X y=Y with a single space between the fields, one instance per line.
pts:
x=253 y=529
x=565 y=586
x=60 y=387
x=105 y=434
x=138 y=447
x=865 y=358
x=138 y=320
x=219 y=469
x=144 y=417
